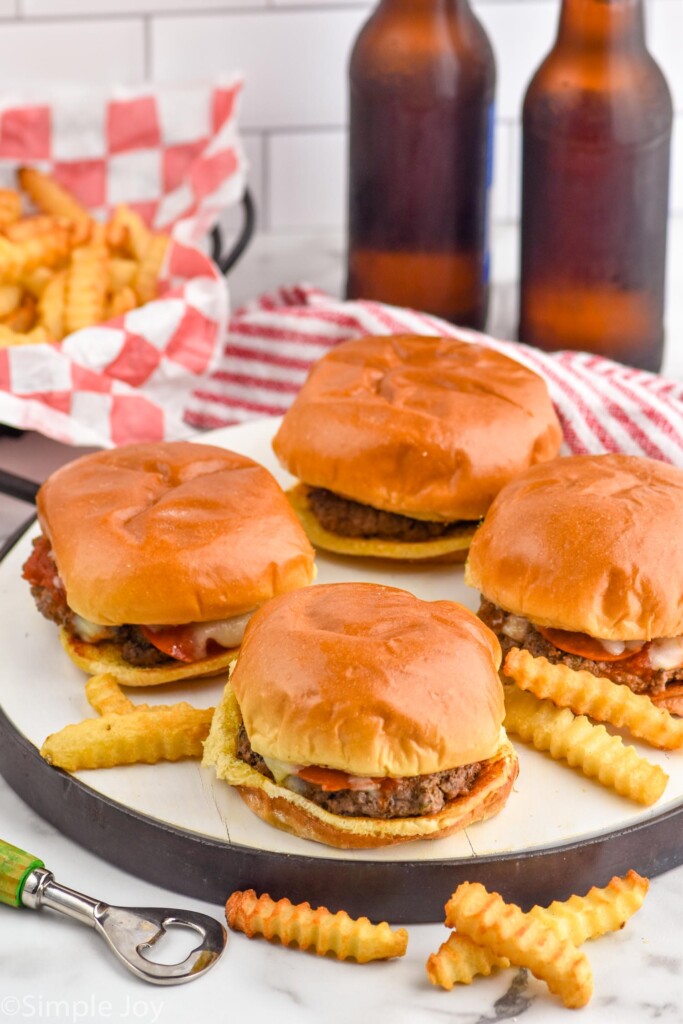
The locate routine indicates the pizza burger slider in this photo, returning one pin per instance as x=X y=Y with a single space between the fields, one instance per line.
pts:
x=359 y=716
x=152 y=557
x=401 y=443
x=580 y=561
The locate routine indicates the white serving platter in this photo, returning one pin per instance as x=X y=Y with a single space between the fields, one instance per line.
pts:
x=555 y=818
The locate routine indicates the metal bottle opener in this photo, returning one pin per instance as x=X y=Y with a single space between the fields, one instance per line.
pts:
x=128 y=931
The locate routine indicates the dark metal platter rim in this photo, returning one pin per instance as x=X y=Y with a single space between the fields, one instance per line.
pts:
x=402 y=891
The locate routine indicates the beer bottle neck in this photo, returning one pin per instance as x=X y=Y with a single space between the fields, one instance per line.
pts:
x=602 y=24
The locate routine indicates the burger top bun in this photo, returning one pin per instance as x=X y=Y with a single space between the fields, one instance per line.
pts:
x=369 y=680
x=592 y=544
x=430 y=428
x=171 y=533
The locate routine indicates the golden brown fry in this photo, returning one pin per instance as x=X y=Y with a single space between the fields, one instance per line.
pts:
x=32 y=227
x=11 y=262
x=50 y=197
x=36 y=281
x=147 y=278
x=579 y=918
x=599 y=698
x=23 y=318
x=600 y=911
x=508 y=932
x=80 y=232
x=121 y=273
x=121 y=302
x=147 y=735
x=117 y=237
x=301 y=925
x=10 y=206
x=51 y=305
x=583 y=745
x=36 y=336
x=86 y=288
x=459 y=960
x=10 y=297
x=106 y=696
x=128 y=222
x=19 y=258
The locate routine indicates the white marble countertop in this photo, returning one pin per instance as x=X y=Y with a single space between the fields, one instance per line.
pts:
x=52 y=969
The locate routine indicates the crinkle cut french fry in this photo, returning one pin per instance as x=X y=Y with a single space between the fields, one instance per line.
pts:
x=146 y=735
x=147 y=277
x=459 y=960
x=579 y=918
x=36 y=281
x=301 y=925
x=508 y=932
x=105 y=695
x=583 y=745
x=131 y=223
x=33 y=227
x=35 y=336
x=50 y=197
x=121 y=302
x=10 y=298
x=86 y=288
x=51 y=305
x=121 y=273
x=595 y=696
x=23 y=318
x=19 y=258
x=600 y=911
x=10 y=206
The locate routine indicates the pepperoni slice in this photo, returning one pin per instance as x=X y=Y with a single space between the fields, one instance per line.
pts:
x=330 y=780
x=176 y=641
x=582 y=644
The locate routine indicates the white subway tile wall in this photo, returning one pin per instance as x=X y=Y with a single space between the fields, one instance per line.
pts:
x=294 y=55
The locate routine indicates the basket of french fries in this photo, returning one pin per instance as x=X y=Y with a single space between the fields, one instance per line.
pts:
x=110 y=310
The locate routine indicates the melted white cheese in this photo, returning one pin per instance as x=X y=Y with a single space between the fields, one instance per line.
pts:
x=516 y=627
x=224 y=632
x=666 y=653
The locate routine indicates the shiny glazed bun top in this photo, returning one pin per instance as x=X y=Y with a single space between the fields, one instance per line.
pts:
x=430 y=428
x=591 y=544
x=171 y=533
x=369 y=680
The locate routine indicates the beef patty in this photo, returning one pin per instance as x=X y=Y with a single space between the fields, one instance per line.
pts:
x=395 y=798
x=646 y=680
x=49 y=594
x=352 y=519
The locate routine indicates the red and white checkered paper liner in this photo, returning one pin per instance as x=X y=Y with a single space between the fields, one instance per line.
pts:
x=272 y=343
x=173 y=154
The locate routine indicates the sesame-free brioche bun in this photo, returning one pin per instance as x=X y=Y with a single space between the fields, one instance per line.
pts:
x=371 y=681
x=430 y=428
x=171 y=533
x=591 y=544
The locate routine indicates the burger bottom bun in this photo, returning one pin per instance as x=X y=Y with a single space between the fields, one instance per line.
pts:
x=106 y=657
x=293 y=813
x=452 y=547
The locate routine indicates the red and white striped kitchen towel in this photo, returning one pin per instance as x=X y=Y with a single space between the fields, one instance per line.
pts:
x=272 y=343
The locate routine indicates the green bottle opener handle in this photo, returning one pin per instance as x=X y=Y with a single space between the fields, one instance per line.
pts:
x=15 y=867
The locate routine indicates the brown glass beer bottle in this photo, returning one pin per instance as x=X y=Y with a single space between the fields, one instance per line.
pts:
x=597 y=132
x=422 y=80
